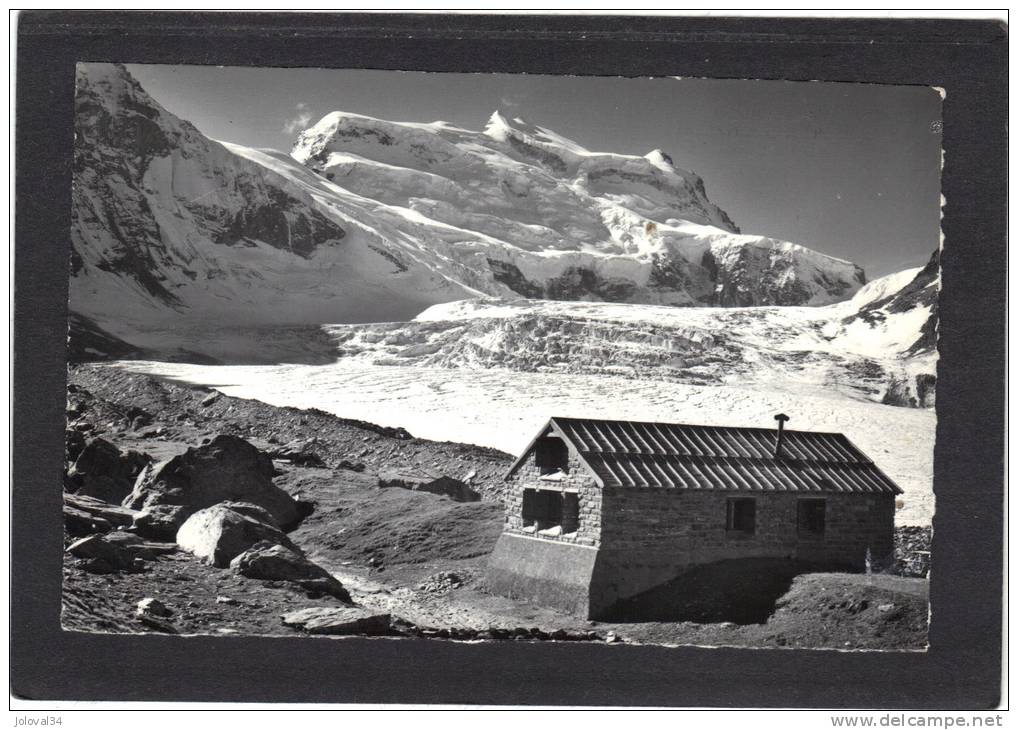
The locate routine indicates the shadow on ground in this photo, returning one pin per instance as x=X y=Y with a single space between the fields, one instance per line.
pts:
x=739 y=591
x=201 y=343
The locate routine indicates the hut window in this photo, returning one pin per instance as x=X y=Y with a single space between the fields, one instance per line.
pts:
x=741 y=515
x=552 y=455
x=545 y=510
x=812 y=517
x=570 y=512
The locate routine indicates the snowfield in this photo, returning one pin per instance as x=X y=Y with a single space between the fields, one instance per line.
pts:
x=504 y=409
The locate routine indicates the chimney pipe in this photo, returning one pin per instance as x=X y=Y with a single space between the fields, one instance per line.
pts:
x=780 y=418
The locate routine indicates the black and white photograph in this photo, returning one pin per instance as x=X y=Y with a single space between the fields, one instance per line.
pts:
x=502 y=357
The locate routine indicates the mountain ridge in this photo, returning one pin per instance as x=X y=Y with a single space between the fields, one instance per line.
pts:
x=169 y=224
x=623 y=227
x=178 y=225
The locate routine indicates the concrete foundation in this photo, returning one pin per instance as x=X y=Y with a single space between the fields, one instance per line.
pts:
x=554 y=574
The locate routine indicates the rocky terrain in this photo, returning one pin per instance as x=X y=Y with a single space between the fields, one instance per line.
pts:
x=292 y=522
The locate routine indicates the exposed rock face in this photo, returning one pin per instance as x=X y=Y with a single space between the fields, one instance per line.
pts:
x=920 y=294
x=575 y=282
x=446 y=486
x=116 y=551
x=159 y=521
x=269 y=561
x=227 y=469
x=454 y=489
x=218 y=534
x=746 y=276
x=142 y=177
x=299 y=453
x=347 y=620
x=254 y=512
x=917 y=391
x=85 y=515
x=138 y=546
x=89 y=341
x=101 y=556
x=104 y=472
x=79 y=523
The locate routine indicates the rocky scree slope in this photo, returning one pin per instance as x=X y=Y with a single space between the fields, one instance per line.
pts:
x=204 y=561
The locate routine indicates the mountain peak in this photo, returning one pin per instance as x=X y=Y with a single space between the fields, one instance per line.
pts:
x=501 y=127
x=497 y=117
x=499 y=124
x=660 y=158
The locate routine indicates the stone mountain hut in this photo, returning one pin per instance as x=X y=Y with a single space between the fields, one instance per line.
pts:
x=599 y=511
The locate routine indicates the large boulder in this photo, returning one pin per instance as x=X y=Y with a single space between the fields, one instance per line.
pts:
x=160 y=521
x=220 y=533
x=339 y=620
x=153 y=606
x=102 y=471
x=445 y=486
x=155 y=615
x=254 y=512
x=227 y=469
x=85 y=515
x=299 y=453
x=268 y=561
x=79 y=523
x=97 y=555
x=454 y=489
x=137 y=546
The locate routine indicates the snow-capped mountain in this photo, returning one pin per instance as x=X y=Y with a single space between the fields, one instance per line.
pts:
x=375 y=221
x=537 y=215
x=889 y=317
x=169 y=225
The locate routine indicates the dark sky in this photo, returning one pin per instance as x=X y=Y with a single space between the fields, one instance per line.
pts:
x=852 y=170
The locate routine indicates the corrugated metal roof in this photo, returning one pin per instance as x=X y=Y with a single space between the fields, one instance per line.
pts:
x=640 y=454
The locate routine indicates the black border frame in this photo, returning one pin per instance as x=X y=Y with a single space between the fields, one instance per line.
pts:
x=962 y=667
